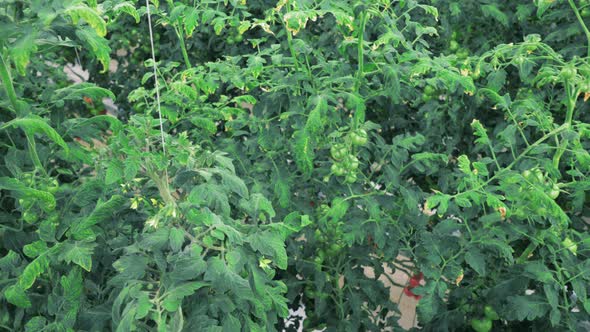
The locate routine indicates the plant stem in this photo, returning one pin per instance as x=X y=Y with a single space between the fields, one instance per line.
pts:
x=361 y=57
x=8 y=86
x=581 y=21
x=571 y=105
x=183 y=48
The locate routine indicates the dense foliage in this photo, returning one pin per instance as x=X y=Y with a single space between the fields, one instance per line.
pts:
x=287 y=148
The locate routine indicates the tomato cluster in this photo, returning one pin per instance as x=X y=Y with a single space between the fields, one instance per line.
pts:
x=345 y=163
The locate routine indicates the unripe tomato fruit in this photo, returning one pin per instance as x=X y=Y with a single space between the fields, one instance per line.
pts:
x=338 y=170
x=490 y=313
x=554 y=192
x=30 y=217
x=568 y=73
x=338 y=151
x=481 y=325
x=351 y=163
x=359 y=137
x=350 y=178
x=527 y=174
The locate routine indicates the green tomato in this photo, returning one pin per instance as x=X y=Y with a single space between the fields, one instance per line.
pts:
x=527 y=174
x=150 y=286
x=335 y=247
x=490 y=313
x=351 y=163
x=481 y=325
x=338 y=151
x=359 y=137
x=26 y=203
x=570 y=245
x=568 y=73
x=585 y=12
x=338 y=170
x=554 y=192
x=30 y=217
x=453 y=46
x=426 y=98
x=230 y=40
x=350 y=178
x=238 y=38
x=317 y=233
x=429 y=90
x=539 y=175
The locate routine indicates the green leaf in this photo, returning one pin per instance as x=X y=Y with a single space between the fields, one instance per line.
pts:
x=17 y=296
x=538 y=271
x=115 y=172
x=144 y=305
x=174 y=297
x=176 y=239
x=98 y=45
x=542 y=6
x=233 y=183
x=495 y=13
x=526 y=307
x=21 y=51
x=34 y=124
x=480 y=132
x=78 y=91
x=315 y=119
x=36 y=324
x=191 y=20
x=270 y=244
x=72 y=292
x=128 y=8
x=476 y=259
x=79 y=253
x=35 y=249
x=90 y=16
x=102 y=212
x=304 y=153
x=33 y=270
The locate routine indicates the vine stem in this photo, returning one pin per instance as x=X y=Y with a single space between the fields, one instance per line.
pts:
x=361 y=56
x=187 y=62
x=8 y=86
x=581 y=21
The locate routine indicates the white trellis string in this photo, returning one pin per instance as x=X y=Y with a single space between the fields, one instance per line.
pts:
x=149 y=17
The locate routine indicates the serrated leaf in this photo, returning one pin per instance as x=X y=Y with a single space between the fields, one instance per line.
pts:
x=34 y=124
x=128 y=8
x=174 y=297
x=20 y=52
x=176 y=239
x=270 y=244
x=79 y=253
x=115 y=172
x=17 y=296
x=304 y=153
x=102 y=211
x=476 y=259
x=33 y=270
x=495 y=13
x=526 y=307
x=98 y=45
x=90 y=16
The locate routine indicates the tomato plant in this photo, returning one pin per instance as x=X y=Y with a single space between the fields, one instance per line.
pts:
x=260 y=157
